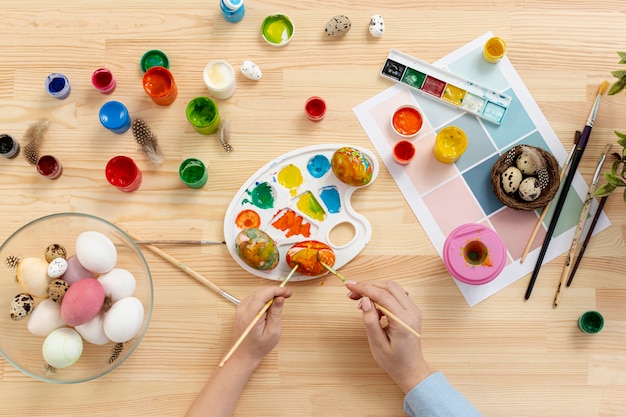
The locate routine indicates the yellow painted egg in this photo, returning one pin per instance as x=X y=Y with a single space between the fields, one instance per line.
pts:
x=32 y=275
x=352 y=166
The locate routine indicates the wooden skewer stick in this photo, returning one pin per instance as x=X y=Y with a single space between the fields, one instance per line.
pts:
x=378 y=306
x=187 y=270
x=254 y=321
x=179 y=242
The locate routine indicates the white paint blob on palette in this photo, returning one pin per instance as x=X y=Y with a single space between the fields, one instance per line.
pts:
x=298 y=198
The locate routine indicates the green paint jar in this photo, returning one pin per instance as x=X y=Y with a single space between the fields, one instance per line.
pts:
x=203 y=115
x=591 y=322
x=193 y=173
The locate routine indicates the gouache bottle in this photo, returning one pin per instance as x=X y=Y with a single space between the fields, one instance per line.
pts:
x=232 y=10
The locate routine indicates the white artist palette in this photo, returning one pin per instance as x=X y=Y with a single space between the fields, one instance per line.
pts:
x=297 y=197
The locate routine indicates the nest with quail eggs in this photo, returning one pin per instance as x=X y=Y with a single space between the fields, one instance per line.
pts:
x=525 y=178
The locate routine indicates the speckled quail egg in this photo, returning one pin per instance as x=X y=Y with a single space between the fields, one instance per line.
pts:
x=511 y=179
x=55 y=251
x=21 y=306
x=377 y=26
x=338 y=26
x=251 y=70
x=57 y=267
x=529 y=189
x=526 y=163
x=57 y=289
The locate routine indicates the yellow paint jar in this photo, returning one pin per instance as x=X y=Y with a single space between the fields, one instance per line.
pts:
x=450 y=144
x=494 y=50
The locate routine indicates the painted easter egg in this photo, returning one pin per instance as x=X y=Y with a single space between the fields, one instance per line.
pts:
x=338 y=26
x=309 y=255
x=257 y=249
x=377 y=26
x=32 y=275
x=351 y=166
x=62 y=347
x=82 y=301
x=75 y=271
x=57 y=267
x=251 y=70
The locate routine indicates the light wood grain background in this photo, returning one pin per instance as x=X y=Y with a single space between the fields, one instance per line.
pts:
x=509 y=357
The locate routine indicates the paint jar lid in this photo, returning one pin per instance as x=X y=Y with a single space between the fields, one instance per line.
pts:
x=474 y=254
x=114 y=115
x=154 y=58
x=233 y=4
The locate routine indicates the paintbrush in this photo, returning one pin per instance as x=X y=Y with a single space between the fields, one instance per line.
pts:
x=186 y=269
x=565 y=186
x=545 y=210
x=254 y=321
x=388 y=313
x=180 y=242
x=583 y=247
x=581 y=223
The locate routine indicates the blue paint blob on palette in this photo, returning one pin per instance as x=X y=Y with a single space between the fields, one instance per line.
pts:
x=296 y=198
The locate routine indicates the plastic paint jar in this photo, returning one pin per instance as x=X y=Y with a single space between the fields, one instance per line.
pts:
x=193 y=173
x=154 y=58
x=450 y=144
x=403 y=152
x=474 y=254
x=48 y=166
x=9 y=147
x=203 y=115
x=102 y=79
x=315 y=108
x=232 y=10
x=114 y=116
x=159 y=84
x=494 y=50
x=57 y=85
x=407 y=121
x=123 y=173
x=219 y=77
x=591 y=322
x=277 y=29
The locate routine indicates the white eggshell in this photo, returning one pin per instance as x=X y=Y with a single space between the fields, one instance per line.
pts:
x=251 y=70
x=118 y=283
x=57 y=267
x=377 y=26
x=124 y=320
x=93 y=331
x=62 y=347
x=45 y=318
x=96 y=252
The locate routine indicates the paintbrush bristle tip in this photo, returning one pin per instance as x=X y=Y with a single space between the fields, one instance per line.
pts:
x=603 y=87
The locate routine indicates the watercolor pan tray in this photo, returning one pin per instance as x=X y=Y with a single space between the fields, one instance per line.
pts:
x=445 y=87
x=300 y=189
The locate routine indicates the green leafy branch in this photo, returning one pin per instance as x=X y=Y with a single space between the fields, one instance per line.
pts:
x=617 y=177
x=619 y=85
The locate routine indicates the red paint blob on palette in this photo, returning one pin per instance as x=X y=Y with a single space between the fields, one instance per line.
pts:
x=433 y=86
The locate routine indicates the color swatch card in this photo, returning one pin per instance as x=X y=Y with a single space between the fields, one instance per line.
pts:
x=445 y=196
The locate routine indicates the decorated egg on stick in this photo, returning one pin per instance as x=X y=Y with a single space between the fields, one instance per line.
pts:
x=310 y=256
x=352 y=166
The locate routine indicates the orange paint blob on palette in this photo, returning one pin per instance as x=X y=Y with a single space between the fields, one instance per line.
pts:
x=301 y=197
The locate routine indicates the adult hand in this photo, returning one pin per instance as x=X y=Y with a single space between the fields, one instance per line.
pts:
x=397 y=351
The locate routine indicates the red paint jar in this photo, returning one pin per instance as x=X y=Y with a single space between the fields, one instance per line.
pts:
x=403 y=152
x=49 y=167
x=315 y=108
x=123 y=173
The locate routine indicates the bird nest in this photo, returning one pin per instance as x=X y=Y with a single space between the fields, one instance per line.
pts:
x=547 y=175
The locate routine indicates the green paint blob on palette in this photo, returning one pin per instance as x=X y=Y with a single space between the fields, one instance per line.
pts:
x=303 y=196
x=446 y=87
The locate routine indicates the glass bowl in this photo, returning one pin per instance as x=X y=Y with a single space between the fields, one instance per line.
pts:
x=22 y=348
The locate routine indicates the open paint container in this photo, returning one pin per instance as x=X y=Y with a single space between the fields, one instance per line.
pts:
x=407 y=121
x=474 y=254
x=277 y=29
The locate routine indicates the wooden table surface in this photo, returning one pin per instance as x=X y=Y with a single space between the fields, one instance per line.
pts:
x=508 y=356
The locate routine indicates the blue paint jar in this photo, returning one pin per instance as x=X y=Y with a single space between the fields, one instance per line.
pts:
x=57 y=85
x=232 y=10
x=114 y=116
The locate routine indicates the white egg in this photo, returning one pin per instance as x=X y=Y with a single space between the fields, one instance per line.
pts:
x=96 y=252
x=93 y=331
x=62 y=347
x=118 y=283
x=57 y=267
x=124 y=320
x=45 y=318
x=251 y=70
x=377 y=26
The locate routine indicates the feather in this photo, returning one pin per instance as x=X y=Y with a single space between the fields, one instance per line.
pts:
x=34 y=137
x=148 y=141
x=224 y=135
x=533 y=155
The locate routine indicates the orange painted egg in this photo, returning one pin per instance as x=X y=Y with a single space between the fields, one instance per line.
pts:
x=257 y=249
x=352 y=166
x=309 y=255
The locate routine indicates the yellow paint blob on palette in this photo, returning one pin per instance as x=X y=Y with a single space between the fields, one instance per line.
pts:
x=303 y=196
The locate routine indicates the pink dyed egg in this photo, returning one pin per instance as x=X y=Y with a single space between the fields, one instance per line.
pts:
x=82 y=301
x=75 y=271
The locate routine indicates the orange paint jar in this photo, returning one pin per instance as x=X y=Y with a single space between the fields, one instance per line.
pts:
x=407 y=121
x=159 y=84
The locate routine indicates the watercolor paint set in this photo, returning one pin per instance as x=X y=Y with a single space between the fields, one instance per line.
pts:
x=303 y=196
x=446 y=87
